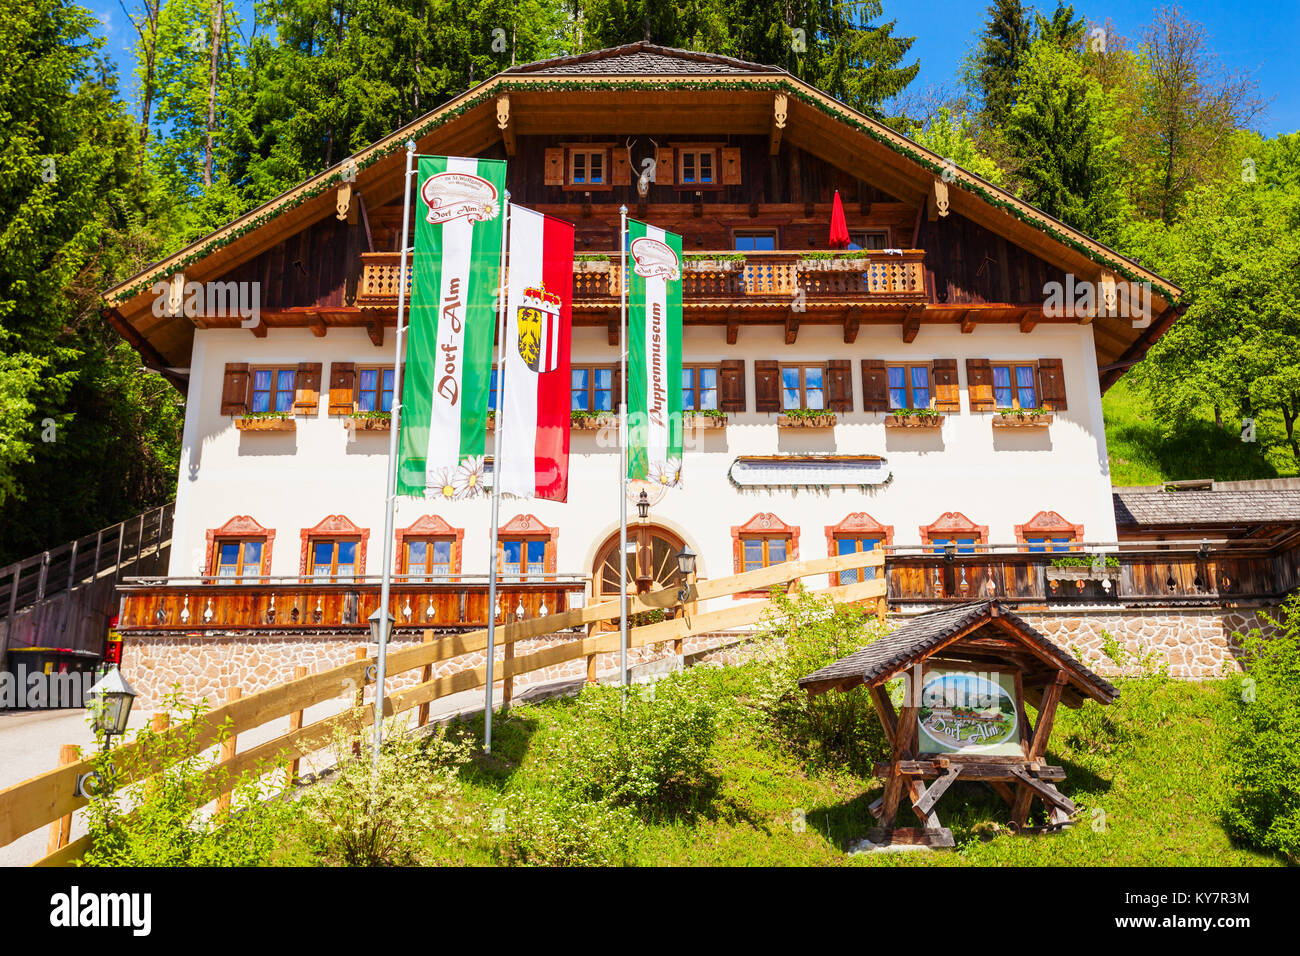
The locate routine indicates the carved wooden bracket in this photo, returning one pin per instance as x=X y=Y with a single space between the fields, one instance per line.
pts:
x=504 y=124
x=779 y=114
x=343 y=201
x=937 y=201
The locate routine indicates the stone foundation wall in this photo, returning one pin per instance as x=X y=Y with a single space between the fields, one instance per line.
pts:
x=1196 y=643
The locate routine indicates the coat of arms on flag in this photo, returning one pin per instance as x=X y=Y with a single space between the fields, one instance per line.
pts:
x=538 y=320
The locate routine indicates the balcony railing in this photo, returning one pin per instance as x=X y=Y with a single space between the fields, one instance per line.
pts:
x=897 y=276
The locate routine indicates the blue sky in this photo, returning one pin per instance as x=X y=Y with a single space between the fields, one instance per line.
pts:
x=1254 y=35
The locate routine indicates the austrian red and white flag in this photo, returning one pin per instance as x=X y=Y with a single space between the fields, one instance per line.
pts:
x=534 y=413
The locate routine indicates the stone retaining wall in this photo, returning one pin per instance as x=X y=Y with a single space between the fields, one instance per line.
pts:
x=1196 y=643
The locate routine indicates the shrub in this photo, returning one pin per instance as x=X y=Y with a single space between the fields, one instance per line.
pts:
x=1263 y=758
x=364 y=817
x=158 y=821
x=655 y=755
x=551 y=828
x=834 y=729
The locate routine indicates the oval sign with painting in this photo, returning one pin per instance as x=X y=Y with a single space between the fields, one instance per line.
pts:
x=968 y=712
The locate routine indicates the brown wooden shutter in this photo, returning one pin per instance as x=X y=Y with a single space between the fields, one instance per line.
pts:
x=767 y=386
x=620 y=169
x=553 y=164
x=839 y=385
x=616 y=386
x=343 y=377
x=979 y=385
x=730 y=167
x=234 y=389
x=731 y=385
x=1051 y=383
x=875 y=386
x=665 y=166
x=947 y=393
x=306 y=388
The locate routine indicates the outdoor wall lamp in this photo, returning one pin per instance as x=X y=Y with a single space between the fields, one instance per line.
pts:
x=1203 y=552
x=375 y=619
x=643 y=505
x=685 y=568
x=110 y=709
x=949 y=553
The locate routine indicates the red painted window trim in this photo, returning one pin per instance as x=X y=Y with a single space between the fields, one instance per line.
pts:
x=952 y=524
x=428 y=526
x=334 y=526
x=1048 y=523
x=240 y=526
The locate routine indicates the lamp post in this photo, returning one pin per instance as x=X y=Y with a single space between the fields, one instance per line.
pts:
x=643 y=505
x=685 y=568
x=109 y=714
x=375 y=619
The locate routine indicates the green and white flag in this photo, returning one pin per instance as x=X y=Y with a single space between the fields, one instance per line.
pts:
x=457 y=261
x=654 y=362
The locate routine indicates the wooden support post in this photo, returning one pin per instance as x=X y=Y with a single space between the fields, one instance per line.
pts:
x=901 y=751
x=507 y=682
x=228 y=753
x=295 y=723
x=359 y=654
x=1042 y=731
x=591 y=658
x=61 y=829
x=426 y=675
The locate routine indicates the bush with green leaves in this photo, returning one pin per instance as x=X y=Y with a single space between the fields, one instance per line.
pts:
x=654 y=755
x=367 y=816
x=159 y=820
x=548 y=827
x=802 y=634
x=1263 y=755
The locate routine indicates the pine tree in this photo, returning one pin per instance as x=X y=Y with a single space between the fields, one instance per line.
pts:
x=1004 y=46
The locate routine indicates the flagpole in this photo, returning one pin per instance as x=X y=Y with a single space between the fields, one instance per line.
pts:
x=390 y=489
x=496 y=479
x=622 y=458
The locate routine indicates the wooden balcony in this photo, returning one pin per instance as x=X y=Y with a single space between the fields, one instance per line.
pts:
x=875 y=277
x=201 y=605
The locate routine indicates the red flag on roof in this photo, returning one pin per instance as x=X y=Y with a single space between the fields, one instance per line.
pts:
x=839 y=227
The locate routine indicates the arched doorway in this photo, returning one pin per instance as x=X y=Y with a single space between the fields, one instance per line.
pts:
x=653 y=566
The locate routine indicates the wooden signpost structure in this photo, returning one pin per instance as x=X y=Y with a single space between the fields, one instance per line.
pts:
x=968 y=671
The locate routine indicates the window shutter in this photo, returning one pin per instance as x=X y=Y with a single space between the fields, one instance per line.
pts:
x=620 y=170
x=665 y=166
x=731 y=385
x=839 y=385
x=979 y=385
x=730 y=167
x=616 y=384
x=1051 y=385
x=767 y=386
x=234 y=389
x=342 y=387
x=554 y=166
x=947 y=394
x=306 y=385
x=875 y=386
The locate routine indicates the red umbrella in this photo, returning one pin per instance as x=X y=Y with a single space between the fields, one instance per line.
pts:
x=839 y=227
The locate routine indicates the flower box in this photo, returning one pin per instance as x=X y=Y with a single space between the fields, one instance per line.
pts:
x=591 y=265
x=593 y=423
x=366 y=423
x=252 y=423
x=914 y=421
x=823 y=420
x=1017 y=420
x=714 y=265
x=834 y=265
x=690 y=420
x=1087 y=573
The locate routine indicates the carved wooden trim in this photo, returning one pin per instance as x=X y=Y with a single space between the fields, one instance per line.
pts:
x=952 y=524
x=240 y=526
x=428 y=526
x=767 y=524
x=1048 y=523
x=335 y=526
x=858 y=524
x=529 y=526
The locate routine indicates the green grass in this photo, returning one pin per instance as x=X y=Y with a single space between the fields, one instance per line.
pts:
x=1141 y=454
x=1144 y=771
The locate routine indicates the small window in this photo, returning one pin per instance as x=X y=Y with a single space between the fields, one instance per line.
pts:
x=909 y=386
x=592 y=389
x=1015 y=386
x=762 y=551
x=522 y=558
x=755 y=241
x=699 y=388
x=587 y=167
x=273 y=389
x=869 y=240
x=852 y=544
x=803 y=386
x=375 y=389
x=428 y=559
x=697 y=167
x=333 y=559
x=237 y=558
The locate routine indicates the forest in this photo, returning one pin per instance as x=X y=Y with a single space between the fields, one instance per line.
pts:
x=1146 y=142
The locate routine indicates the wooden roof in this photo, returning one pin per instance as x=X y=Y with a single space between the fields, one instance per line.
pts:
x=631 y=87
x=1148 y=508
x=980 y=632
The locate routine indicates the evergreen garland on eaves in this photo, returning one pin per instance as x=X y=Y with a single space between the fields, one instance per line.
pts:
x=437 y=118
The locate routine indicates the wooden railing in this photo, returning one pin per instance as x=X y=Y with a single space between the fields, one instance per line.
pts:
x=50 y=799
x=875 y=275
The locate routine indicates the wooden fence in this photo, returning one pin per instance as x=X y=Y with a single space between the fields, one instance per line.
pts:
x=50 y=798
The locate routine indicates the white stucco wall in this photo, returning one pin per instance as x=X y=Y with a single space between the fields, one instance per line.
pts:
x=999 y=478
